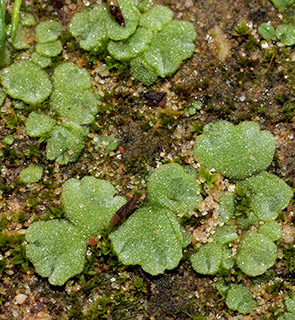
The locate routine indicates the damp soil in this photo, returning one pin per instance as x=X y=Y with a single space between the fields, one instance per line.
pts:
x=153 y=125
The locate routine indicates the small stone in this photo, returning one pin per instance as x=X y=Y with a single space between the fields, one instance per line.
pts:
x=288 y=234
x=20 y=298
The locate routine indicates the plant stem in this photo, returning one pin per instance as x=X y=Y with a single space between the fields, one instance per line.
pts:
x=2 y=24
x=15 y=17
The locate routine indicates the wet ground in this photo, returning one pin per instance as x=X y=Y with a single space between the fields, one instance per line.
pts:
x=236 y=76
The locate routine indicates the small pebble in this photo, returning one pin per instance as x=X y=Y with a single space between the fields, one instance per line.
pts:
x=20 y=298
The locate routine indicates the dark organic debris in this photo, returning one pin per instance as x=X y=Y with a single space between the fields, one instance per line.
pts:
x=155 y=98
x=58 y=4
x=116 y=12
x=126 y=210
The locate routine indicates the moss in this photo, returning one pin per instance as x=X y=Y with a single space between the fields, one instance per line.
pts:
x=256 y=254
x=240 y=298
x=31 y=174
x=40 y=60
x=25 y=81
x=51 y=49
x=289 y=258
x=13 y=252
x=211 y=148
x=48 y=31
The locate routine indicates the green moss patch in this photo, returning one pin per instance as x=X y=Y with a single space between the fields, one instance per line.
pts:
x=240 y=298
x=48 y=31
x=152 y=237
x=71 y=98
x=170 y=46
x=256 y=253
x=66 y=142
x=235 y=151
x=25 y=81
x=31 y=174
x=38 y=124
x=158 y=44
x=51 y=49
x=57 y=248
x=268 y=195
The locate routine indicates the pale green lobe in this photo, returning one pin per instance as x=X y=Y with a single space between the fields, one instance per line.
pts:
x=156 y=18
x=244 y=222
x=286 y=34
x=239 y=297
x=132 y=47
x=225 y=234
x=215 y=255
x=171 y=186
x=271 y=229
x=269 y=195
x=4 y=56
x=150 y=237
x=19 y=105
x=89 y=27
x=22 y=39
x=235 y=151
x=286 y=316
x=186 y=237
x=78 y=107
x=222 y=287
x=31 y=174
x=93 y=27
x=57 y=250
x=256 y=254
x=145 y=5
x=207 y=259
x=131 y=16
x=106 y=143
x=38 y=124
x=69 y=77
x=290 y=303
x=27 y=19
x=170 y=46
x=48 y=31
x=282 y=5
x=90 y=204
x=51 y=49
x=142 y=72
x=227 y=260
x=8 y=140
x=40 y=60
x=72 y=98
x=2 y=96
x=227 y=206
x=26 y=81
x=66 y=143
x=267 y=31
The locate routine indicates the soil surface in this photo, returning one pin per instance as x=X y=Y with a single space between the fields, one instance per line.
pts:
x=253 y=80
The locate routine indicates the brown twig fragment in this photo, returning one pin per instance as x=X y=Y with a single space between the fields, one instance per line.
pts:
x=126 y=210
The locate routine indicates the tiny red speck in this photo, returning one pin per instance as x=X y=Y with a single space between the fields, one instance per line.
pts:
x=121 y=150
x=92 y=242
